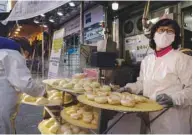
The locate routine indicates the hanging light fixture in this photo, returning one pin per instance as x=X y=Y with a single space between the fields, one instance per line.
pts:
x=36 y=20
x=60 y=12
x=42 y=15
x=115 y=6
x=45 y=25
x=51 y=19
x=71 y=3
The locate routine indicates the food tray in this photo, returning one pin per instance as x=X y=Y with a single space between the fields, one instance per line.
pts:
x=49 y=104
x=79 y=123
x=48 y=82
x=148 y=106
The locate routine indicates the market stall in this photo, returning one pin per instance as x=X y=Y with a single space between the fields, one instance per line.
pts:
x=88 y=99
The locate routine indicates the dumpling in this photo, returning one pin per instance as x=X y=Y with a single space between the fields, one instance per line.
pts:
x=42 y=101
x=101 y=99
x=106 y=88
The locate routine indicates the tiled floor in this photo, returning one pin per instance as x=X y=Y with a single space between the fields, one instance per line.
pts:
x=27 y=119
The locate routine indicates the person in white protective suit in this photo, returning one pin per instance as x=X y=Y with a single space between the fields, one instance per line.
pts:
x=166 y=77
x=14 y=78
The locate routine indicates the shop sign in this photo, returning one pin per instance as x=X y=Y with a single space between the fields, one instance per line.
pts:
x=94 y=33
x=56 y=54
x=91 y=17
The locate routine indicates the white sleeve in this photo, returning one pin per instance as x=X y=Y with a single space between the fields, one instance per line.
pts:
x=20 y=77
x=138 y=85
x=184 y=71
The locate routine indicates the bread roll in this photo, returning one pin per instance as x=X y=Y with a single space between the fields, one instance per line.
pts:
x=88 y=88
x=106 y=88
x=64 y=128
x=128 y=102
x=75 y=116
x=42 y=101
x=116 y=93
x=75 y=129
x=95 y=85
x=50 y=122
x=67 y=132
x=114 y=100
x=28 y=98
x=94 y=122
x=62 y=82
x=68 y=86
x=90 y=96
x=55 y=82
x=102 y=93
x=54 y=128
x=87 y=117
x=101 y=99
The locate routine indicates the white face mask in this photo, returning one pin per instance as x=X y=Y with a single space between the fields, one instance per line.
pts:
x=164 y=39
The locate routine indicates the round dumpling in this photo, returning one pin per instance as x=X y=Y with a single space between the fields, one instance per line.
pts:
x=95 y=85
x=42 y=101
x=68 y=86
x=106 y=88
x=62 y=82
x=29 y=98
x=101 y=99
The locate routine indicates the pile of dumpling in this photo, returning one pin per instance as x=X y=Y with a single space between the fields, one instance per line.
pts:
x=115 y=98
x=83 y=112
x=55 y=97
x=85 y=84
x=65 y=128
x=37 y=100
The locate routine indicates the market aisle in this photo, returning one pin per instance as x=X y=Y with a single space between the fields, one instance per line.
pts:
x=28 y=118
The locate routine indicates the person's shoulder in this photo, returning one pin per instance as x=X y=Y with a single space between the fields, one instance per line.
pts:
x=180 y=54
x=149 y=57
x=12 y=54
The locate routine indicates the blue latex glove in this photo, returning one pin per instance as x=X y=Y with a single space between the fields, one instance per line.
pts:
x=164 y=99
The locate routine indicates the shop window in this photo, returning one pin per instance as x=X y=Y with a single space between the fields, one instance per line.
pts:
x=88 y=18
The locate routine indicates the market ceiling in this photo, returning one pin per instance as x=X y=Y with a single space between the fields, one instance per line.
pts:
x=68 y=14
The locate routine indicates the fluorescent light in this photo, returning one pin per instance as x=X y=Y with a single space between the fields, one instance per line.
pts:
x=72 y=4
x=60 y=13
x=42 y=15
x=36 y=21
x=45 y=26
x=115 y=6
x=51 y=19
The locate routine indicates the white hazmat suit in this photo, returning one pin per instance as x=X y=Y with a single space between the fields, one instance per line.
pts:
x=170 y=74
x=14 y=74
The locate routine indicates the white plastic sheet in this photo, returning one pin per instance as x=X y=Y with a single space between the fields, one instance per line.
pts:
x=29 y=9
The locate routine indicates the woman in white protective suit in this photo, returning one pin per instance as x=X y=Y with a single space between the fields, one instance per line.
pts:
x=166 y=77
x=14 y=78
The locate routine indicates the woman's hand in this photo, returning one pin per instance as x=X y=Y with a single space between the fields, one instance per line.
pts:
x=164 y=99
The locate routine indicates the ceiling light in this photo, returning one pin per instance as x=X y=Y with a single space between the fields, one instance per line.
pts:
x=51 y=19
x=18 y=29
x=45 y=26
x=72 y=4
x=43 y=15
x=36 y=20
x=60 y=12
x=115 y=6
